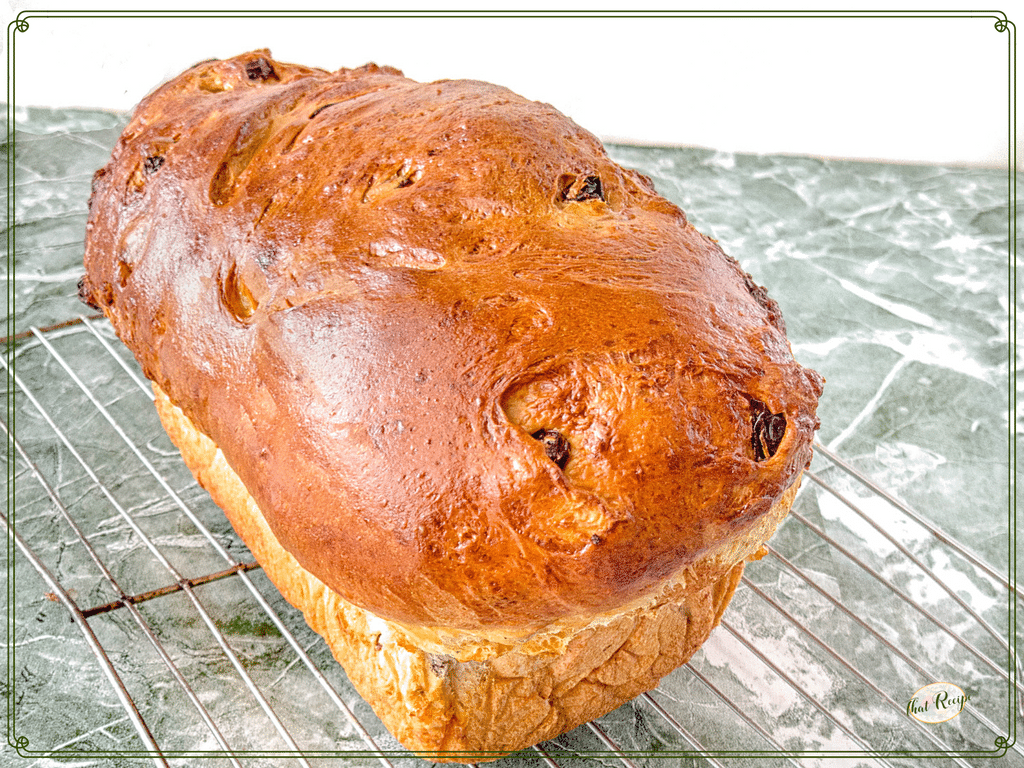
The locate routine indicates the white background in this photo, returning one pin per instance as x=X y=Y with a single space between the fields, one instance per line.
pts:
x=917 y=90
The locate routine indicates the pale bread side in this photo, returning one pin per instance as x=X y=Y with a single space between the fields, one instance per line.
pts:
x=477 y=710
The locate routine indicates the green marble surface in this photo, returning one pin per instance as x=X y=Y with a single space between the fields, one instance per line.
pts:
x=894 y=281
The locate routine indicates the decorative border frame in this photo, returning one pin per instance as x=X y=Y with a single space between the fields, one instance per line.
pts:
x=21 y=24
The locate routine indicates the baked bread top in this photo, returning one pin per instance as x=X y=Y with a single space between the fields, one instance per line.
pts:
x=475 y=374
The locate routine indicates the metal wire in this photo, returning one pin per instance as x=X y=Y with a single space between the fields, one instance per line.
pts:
x=842 y=661
x=902 y=595
x=94 y=644
x=938 y=533
x=804 y=693
x=222 y=642
x=678 y=727
x=125 y=601
x=912 y=558
x=876 y=635
x=155 y=551
x=92 y=332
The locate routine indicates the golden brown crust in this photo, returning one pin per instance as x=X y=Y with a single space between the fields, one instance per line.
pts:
x=371 y=293
x=478 y=710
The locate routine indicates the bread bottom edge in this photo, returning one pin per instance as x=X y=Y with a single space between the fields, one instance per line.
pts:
x=448 y=710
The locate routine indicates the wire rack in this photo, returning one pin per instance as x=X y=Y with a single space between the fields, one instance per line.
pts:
x=178 y=646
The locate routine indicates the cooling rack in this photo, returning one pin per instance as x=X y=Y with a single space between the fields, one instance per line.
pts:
x=141 y=631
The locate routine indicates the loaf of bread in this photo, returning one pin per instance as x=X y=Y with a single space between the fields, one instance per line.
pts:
x=486 y=408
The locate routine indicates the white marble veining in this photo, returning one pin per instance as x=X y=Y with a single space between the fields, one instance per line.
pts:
x=894 y=283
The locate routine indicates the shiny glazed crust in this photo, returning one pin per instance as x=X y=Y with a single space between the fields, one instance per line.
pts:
x=452 y=710
x=376 y=296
